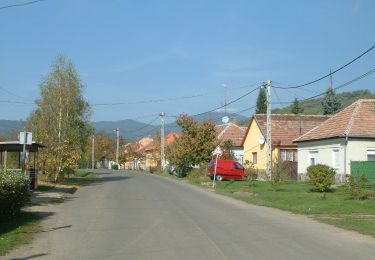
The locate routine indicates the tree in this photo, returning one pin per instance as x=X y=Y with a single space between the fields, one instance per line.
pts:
x=227 y=150
x=297 y=108
x=195 y=145
x=261 y=102
x=331 y=103
x=61 y=119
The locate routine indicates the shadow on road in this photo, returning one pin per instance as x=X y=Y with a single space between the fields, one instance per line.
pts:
x=29 y=257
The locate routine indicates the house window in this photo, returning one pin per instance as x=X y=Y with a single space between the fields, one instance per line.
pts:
x=288 y=155
x=371 y=154
x=336 y=158
x=313 y=157
x=255 y=158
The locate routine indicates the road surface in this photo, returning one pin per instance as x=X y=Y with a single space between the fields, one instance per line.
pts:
x=127 y=215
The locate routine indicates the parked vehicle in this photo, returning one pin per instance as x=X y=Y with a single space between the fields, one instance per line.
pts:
x=227 y=169
x=179 y=172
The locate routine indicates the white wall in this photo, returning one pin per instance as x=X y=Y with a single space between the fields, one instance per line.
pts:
x=356 y=151
x=325 y=153
x=238 y=154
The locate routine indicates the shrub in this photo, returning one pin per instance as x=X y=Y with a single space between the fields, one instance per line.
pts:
x=251 y=172
x=321 y=176
x=280 y=173
x=114 y=167
x=14 y=193
x=357 y=187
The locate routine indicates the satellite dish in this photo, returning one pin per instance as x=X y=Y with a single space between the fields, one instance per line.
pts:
x=261 y=139
x=225 y=119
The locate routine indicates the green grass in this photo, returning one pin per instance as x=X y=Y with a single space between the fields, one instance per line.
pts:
x=336 y=208
x=79 y=178
x=18 y=230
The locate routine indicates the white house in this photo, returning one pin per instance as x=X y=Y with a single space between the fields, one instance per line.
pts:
x=347 y=136
x=234 y=133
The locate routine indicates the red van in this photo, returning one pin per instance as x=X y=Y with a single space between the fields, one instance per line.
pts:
x=227 y=169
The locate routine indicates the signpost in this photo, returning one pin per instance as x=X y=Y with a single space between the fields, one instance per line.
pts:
x=217 y=152
x=26 y=138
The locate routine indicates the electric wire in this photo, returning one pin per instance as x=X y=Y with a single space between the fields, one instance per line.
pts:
x=333 y=72
x=20 y=4
x=231 y=102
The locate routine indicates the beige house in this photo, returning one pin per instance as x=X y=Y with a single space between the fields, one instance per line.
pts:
x=347 y=136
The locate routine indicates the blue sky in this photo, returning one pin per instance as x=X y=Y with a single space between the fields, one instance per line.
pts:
x=128 y=51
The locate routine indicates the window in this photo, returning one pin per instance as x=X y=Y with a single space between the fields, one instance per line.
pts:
x=288 y=155
x=313 y=157
x=371 y=154
x=336 y=158
x=237 y=166
x=255 y=158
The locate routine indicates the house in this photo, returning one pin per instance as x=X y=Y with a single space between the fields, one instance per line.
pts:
x=152 y=150
x=235 y=134
x=347 y=136
x=284 y=129
x=134 y=153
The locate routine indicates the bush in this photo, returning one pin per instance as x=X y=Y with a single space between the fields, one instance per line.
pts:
x=357 y=187
x=321 y=176
x=280 y=173
x=14 y=193
x=114 y=167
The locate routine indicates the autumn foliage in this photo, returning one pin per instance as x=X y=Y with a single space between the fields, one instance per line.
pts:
x=195 y=145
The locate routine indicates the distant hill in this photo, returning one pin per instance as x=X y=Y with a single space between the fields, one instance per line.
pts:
x=314 y=106
x=11 y=127
x=134 y=130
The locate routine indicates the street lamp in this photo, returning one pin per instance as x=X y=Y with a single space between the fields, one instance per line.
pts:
x=117 y=130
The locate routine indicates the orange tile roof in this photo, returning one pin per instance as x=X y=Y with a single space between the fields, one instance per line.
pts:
x=286 y=127
x=357 y=120
x=230 y=131
x=169 y=139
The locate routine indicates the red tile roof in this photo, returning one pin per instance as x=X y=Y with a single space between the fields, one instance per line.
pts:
x=230 y=131
x=169 y=139
x=285 y=128
x=357 y=120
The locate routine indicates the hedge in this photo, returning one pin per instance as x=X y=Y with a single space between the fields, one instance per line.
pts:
x=14 y=193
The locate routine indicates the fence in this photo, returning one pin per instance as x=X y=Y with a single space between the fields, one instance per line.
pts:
x=363 y=168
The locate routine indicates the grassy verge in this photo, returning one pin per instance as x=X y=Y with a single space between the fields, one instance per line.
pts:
x=18 y=230
x=336 y=208
x=79 y=178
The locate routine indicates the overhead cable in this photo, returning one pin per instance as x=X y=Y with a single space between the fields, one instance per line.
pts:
x=333 y=72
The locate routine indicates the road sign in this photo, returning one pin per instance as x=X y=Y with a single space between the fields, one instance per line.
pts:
x=217 y=151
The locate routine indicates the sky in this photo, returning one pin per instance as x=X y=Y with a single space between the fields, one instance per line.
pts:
x=182 y=56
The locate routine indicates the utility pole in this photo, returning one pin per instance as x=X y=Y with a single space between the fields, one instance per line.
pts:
x=162 y=155
x=117 y=143
x=269 y=141
x=92 y=152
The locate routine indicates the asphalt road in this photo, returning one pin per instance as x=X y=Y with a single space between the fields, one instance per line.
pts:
x=142 y=216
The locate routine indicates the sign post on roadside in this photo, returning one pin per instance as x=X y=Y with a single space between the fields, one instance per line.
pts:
x=217 y=152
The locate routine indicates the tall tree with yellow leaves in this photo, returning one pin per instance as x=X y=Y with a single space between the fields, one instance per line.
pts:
x=61 y=119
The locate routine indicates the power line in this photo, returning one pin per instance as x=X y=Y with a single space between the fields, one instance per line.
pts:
x=336 y=88
x=344 y=84
x=231 y=102
x=143 y=127
x=20 y=4
x=151 y=100
x=333 y=72
x=16 y=102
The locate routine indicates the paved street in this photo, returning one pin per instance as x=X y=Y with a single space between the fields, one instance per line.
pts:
x=142 y=216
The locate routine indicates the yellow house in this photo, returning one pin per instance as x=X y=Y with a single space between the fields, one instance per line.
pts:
x=284 y=129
